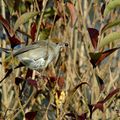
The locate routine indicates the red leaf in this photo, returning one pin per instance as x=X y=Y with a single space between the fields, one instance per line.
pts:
x=33 y=31
x=113 y=92
x=30 y=115
x=97 y=58
x=83 y=116
x=33 y=83
x=99 y=105
x=94 y=33
x=10 y=32
x=29 y=74
x=7 y=26
x=14 y=41
x=73 y=14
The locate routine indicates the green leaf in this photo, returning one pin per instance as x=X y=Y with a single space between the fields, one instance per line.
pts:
x=111 y=5
x=109 y=38
x=24 y=18
x=109 y=25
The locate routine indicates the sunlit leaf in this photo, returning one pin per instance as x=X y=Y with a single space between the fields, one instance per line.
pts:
x=94 y=33
x=110 y=25
x=109 y=38
x=111 y=5
x=24 y=18
x=73 y=13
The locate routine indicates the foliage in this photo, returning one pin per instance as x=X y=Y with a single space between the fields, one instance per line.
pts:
x=84 y=82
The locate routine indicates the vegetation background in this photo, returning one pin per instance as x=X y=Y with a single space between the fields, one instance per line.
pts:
x=85 y=82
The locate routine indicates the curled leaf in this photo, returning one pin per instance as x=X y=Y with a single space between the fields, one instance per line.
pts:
x=111 y=5
x=113 y=92
x=109 y=25
x=109 y=38
x=24 y=18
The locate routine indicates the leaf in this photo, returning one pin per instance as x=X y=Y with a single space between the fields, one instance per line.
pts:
x=19 y=80
x=33 y=31
x=73 y=14
x=79 y=85
x=7 y=26
x=10 y=71
x=109 y=25
x=97 y=58
x=33 y=83
x=14 y=40
x=30 y=115
x=111 y=5
x=113 y=92
x=61 y=82
x=82 y=116
x=102 y=9
x=100 y=82
x=7 y=74
x=98 y=105
x=24 y=18
x=94 y=33
x=109 y=38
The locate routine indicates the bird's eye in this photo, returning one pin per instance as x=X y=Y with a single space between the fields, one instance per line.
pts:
x=66 y=44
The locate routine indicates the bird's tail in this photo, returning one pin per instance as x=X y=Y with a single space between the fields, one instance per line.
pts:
x=5 y=50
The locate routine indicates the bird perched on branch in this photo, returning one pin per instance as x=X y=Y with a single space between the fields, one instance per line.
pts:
x=39 y=55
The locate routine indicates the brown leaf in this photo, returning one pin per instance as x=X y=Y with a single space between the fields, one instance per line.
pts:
x=102 y=9
x=94 y=33
x=72 y=11
x=97 y=58
x=33 y=83
x=61 y=82
x=113 y=92
x=33 y=31
x=30 y=115
x=100 y=82
x=83 y=116
x=7 y=26
x=19 y=80
x=14 y=40
x=99 y=105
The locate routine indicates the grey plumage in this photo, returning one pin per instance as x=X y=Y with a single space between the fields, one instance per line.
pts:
x=38 y=55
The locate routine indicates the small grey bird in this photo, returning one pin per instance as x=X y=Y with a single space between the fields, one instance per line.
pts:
x=39 y=55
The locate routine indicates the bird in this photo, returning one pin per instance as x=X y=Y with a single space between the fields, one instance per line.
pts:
x=38 y=55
